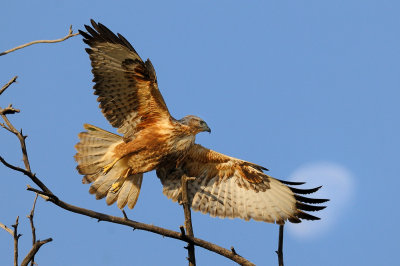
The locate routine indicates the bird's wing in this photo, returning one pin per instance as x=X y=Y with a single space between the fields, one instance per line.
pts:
x=126 y=86
x=228 y=187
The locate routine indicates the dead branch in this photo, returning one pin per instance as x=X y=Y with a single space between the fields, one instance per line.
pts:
x=279 y=252
x=7 y=111
x=16 y=238
x=146 y=227
x=69 y=35
x=9 y=230
x=35 y=248
x=14 y=79
x=33 y=229
x=188 y=220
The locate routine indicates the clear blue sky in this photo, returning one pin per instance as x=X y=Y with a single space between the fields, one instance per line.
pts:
x=285 y=84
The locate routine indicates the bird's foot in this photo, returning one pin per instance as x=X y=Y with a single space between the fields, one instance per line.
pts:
x=108 y=167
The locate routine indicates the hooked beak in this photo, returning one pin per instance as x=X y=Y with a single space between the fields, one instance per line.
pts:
x=207 y=129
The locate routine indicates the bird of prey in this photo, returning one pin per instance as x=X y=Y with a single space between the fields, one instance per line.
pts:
x=152 y=139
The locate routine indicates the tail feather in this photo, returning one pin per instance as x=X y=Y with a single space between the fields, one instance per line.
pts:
x=94 y=153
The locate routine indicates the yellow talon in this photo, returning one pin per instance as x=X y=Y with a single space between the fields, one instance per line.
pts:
x=117 y=185
x=108 y=167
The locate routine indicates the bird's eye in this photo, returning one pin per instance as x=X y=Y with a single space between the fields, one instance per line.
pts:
x=202 y=123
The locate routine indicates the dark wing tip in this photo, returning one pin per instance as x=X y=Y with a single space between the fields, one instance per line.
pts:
x=304 y=191
x=98 y=33
x=304 y=204
x=307 y=207
x=291 y=183
x=309 y=200
x=306 y=216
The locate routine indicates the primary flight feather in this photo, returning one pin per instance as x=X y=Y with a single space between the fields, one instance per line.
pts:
x=152 y=139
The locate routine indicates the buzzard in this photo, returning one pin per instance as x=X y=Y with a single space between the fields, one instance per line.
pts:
x=152 y=139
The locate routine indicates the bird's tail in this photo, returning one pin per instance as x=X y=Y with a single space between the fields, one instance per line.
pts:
x=111 y=176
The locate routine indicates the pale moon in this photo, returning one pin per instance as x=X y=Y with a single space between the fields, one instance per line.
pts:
x=337 y=185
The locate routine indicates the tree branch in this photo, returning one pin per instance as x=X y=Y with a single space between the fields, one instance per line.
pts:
x=69 y=35
x=147 y=227
x=279 y=252
x=33 y=229
x=14 y=79
x=9 y=230
x=188 y=219
x=35 y=248
x=16 y=237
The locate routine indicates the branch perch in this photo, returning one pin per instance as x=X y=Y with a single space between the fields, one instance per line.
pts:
x=188 y=219
x=279 y=252
x=69 y=35
x=16 y=237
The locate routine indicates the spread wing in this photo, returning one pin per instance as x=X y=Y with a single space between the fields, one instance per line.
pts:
x=228 y=187
x=126 y=86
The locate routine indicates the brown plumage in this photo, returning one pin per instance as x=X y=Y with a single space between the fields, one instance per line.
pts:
x=153 y=140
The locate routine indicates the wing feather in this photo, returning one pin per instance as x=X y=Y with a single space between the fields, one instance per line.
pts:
x=126 y=86
x=228 y=187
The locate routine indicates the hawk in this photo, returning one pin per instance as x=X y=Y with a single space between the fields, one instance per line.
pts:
x=152 y=139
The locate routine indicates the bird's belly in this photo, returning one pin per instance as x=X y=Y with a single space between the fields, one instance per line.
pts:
x=159 y=153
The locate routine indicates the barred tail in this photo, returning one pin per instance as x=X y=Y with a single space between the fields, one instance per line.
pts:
x=94 y=155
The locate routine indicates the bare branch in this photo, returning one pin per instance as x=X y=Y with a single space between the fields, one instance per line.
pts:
x=33 y=229
x=14 y=79
x=34 y=250
x=69 y=35
x=31 y=175
x=150 y=228
x=8 y=110
x=21 y=138
x=279 y=252
x=16 y=237
x=9 y=230
x=188 y=220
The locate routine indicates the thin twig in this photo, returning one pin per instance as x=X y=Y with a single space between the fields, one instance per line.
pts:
x=9 y=230
x=33 y=229
x=70 y=34
x=31 y=175
x=21 y=138
x=280 y=246
x=35 y=248
x=188 y=220
x=14 y=79
x=16 y=237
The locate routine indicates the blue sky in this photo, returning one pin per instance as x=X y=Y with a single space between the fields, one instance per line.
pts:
x=306 y=88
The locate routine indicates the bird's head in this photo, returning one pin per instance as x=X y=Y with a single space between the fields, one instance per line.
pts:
x=195 y=123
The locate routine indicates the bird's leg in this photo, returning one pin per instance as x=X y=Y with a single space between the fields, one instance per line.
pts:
x=108 y=167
